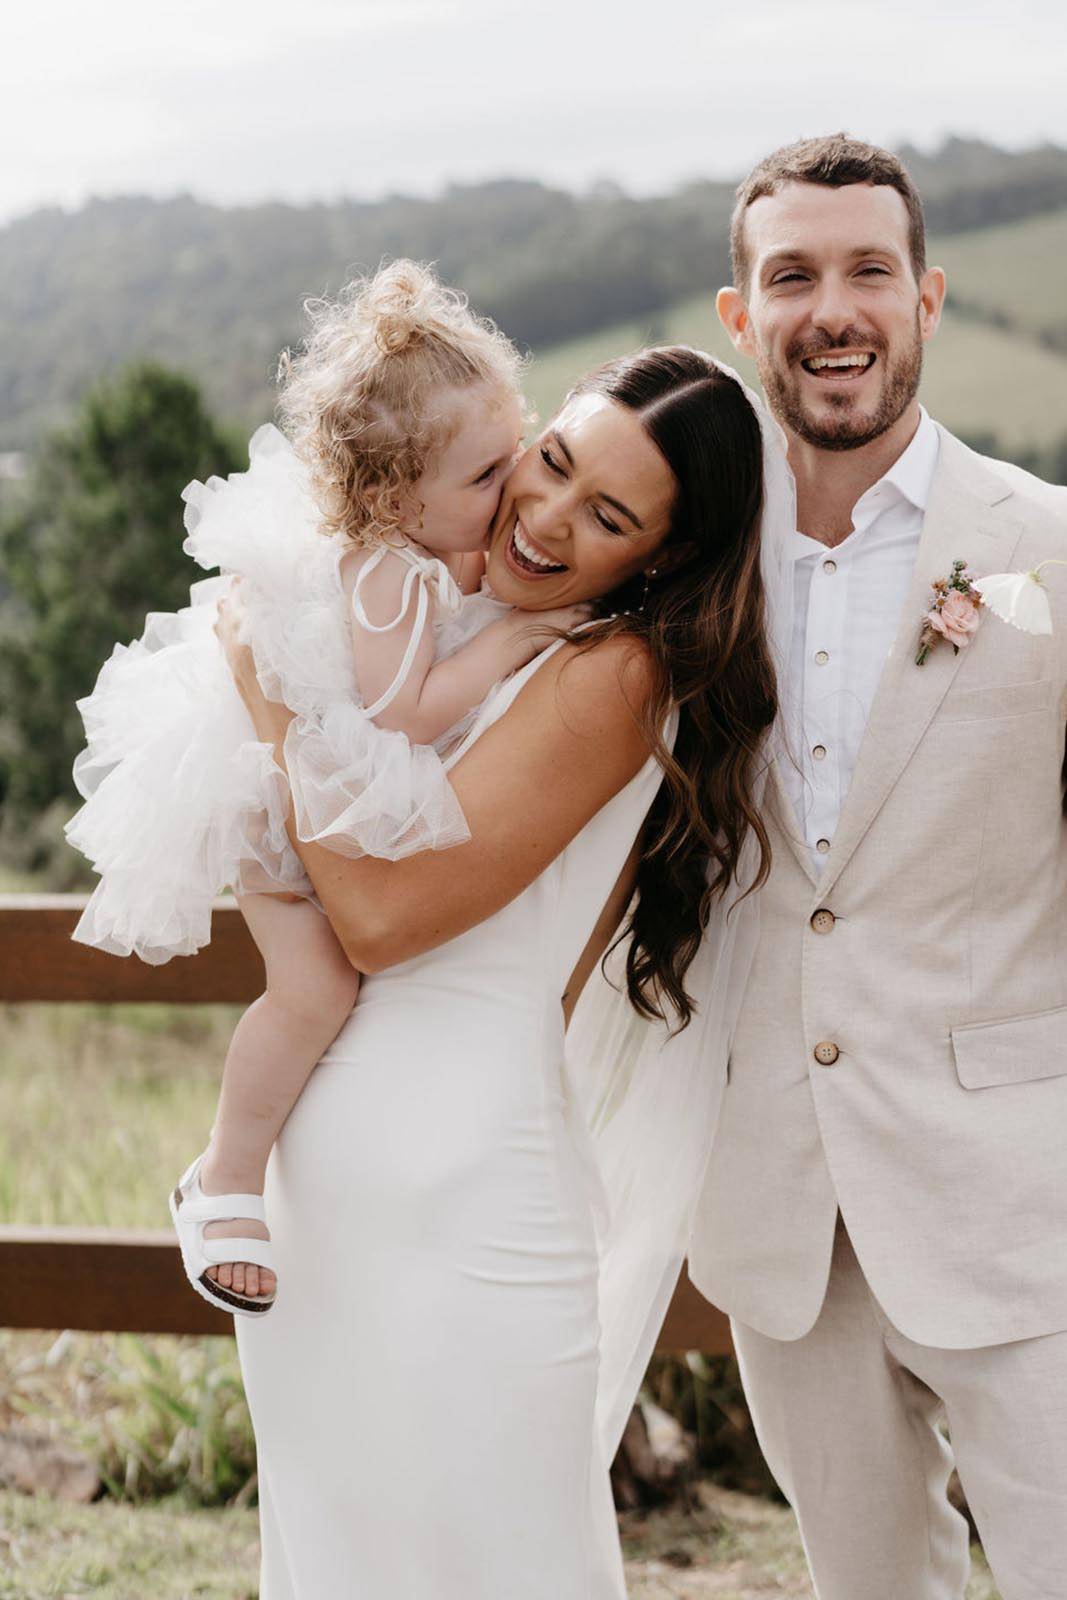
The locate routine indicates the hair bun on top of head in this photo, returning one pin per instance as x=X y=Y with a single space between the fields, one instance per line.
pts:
x=398 y=302
x=393 y=332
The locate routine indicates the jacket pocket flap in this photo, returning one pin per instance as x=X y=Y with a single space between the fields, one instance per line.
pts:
x=997 y=700
x=1017 y=1050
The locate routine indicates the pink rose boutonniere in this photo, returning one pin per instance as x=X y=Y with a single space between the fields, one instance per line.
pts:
x=953 y=613
x=1020 y=598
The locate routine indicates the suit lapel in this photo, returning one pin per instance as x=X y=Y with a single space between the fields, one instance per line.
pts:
x=964 y=521
x=780 y=804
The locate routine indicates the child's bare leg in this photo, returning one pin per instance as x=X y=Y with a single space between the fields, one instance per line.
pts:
x=311 y=988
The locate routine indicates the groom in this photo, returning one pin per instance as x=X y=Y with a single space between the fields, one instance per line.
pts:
x=885 y=1215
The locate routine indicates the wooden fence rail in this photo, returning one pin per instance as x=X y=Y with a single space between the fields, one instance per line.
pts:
x=102 y=1279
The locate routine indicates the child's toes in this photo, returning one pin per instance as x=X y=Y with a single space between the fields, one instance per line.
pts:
x=239 y=1277
x=225 y=1276
x=268 y=1282
x=252 y=1280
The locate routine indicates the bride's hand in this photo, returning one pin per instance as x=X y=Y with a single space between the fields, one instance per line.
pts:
x=269 y=719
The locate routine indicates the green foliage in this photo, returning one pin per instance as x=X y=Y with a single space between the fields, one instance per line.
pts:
x=157 y=1416
x=127 y=1095
x=123 y=1552
x=177 y=1422
x=218 y=292
x=93 y=543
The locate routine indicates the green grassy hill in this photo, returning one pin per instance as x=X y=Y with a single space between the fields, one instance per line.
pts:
x=981 y=377
x=216 y=292
x=1013 y=271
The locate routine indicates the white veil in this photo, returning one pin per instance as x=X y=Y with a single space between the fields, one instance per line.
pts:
x=649 y=1100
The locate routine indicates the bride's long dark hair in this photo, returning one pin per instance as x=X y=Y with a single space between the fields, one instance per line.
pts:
x=703 y=621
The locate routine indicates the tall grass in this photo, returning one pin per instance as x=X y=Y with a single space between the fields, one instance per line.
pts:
x=101 y=1107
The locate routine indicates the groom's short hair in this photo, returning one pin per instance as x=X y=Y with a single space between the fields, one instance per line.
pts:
x=835 y=160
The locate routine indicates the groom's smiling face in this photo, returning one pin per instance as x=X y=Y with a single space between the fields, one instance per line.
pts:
x=832 y=311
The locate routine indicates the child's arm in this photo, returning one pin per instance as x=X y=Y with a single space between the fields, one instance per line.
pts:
x=435 y=695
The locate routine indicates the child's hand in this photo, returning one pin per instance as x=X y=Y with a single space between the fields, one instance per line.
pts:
x=269 y=719
x=560 y=617
x=534 y=631
x=229 y=630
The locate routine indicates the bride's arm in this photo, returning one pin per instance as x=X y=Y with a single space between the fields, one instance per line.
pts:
x=569 y=742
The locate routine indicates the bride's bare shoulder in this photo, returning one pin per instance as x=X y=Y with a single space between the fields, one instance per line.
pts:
x=594 y=690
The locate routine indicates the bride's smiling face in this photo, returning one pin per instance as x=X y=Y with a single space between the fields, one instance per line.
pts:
x=587 y=506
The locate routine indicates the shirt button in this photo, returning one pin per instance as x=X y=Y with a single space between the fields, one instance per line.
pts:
x=823 y=921
x=829 y=566
x=819 y=752
x=822 y=846
x=822 y=657
x=826 y=1053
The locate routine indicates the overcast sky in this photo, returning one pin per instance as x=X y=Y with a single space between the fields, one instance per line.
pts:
x=238 y=102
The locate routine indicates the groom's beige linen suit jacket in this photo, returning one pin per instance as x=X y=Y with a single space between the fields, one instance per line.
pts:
x=902 y=1049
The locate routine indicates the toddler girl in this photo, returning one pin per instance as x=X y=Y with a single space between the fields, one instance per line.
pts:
x=359 y=546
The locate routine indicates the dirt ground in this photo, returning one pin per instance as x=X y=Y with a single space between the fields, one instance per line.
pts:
x=729 y=1547
x=726 y=1547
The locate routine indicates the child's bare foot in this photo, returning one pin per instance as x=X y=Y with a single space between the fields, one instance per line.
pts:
x=244 y=1277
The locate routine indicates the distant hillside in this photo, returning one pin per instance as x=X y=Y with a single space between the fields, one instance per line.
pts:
x=218 y=292
x=1012 y=275
x=983 y=382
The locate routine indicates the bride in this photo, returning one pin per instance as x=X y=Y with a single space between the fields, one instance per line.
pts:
x=450 y=1229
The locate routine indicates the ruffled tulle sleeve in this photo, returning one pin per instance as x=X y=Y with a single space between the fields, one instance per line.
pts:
x=358 y=789
x=363 y=790
x=181 y=801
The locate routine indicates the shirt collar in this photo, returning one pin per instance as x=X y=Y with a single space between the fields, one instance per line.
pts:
x=912 y=473
x=909 y=478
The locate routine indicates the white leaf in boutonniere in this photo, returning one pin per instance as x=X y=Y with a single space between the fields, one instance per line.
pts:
x=1019 y=597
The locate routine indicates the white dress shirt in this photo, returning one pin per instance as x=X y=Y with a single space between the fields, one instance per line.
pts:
x=847 y=604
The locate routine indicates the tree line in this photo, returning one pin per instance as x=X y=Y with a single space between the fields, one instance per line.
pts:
x=217 y=292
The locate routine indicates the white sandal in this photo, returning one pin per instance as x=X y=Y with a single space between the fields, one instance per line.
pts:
x=190 y=1209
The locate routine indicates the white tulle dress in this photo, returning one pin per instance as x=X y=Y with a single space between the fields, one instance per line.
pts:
x=181 y=800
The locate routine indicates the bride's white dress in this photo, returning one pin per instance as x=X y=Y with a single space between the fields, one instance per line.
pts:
x=423 y=1390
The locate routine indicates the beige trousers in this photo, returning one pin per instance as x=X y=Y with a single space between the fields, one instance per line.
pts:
x=848 y=1419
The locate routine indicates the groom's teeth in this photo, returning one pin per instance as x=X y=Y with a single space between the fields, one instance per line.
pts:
x=816 y=363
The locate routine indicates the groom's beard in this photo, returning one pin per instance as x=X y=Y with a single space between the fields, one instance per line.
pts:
x=849 y=426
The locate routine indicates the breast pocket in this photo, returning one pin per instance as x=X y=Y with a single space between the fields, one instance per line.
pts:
x=1016 y=1050
x=997 y=700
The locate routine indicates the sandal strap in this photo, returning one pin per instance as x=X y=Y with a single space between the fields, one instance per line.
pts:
x=217 y=1251
x=224 y=1208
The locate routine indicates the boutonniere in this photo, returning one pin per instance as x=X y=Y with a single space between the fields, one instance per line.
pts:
x=953 y=613
x=1016 y=597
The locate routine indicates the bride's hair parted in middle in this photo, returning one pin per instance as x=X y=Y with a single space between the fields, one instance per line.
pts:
x=703 y=619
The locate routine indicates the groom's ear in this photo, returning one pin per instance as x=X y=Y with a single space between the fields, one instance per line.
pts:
x=733 y=314
x=931 y=301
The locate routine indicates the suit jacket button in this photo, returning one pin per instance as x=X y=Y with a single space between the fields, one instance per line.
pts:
x=826 y=1053
x=823 y=921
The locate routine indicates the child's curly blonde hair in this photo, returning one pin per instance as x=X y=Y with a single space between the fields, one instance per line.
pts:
x=366 y=402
